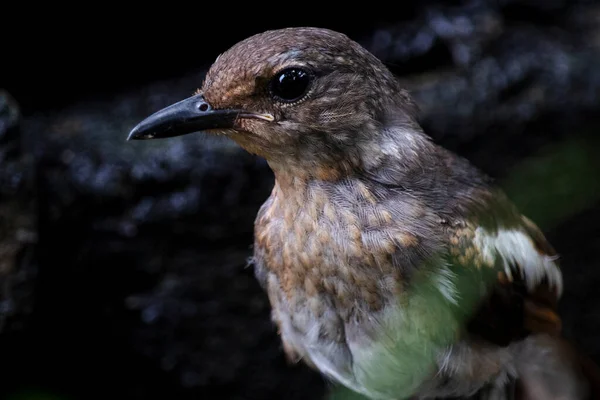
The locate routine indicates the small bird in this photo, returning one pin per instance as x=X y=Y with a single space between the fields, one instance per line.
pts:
x=393 y=266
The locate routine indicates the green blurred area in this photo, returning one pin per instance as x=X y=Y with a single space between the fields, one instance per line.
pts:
x=560 y=181
x=341 y=393
x=34 y=394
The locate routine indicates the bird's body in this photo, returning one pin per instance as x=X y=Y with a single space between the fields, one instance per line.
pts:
x=339 y=258
x=393 y=266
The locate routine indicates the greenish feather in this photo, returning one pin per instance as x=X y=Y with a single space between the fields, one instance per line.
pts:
x=429 y=319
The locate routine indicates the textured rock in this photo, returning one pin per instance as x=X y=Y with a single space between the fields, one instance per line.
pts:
x=17 y=221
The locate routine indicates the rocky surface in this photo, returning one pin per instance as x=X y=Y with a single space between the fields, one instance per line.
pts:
x=18 y=214
x=126 y=261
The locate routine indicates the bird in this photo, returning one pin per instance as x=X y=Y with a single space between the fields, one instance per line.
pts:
x=393 y=266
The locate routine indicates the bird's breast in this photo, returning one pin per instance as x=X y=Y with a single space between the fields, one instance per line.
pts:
x=340 y=246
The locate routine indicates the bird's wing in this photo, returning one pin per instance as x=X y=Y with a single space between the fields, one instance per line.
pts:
x=528 y=282
x=521 y=307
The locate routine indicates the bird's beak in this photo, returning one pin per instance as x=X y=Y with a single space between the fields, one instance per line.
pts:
x=190 y=115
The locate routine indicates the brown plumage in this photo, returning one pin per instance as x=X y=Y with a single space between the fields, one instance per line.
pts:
x=392 y=265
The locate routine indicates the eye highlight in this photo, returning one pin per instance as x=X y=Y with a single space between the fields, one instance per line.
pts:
x=290 y=85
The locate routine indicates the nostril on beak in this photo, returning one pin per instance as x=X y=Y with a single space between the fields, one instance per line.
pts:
x=189 y=115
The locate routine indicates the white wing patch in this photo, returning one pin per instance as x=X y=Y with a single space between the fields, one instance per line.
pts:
x=516 y=250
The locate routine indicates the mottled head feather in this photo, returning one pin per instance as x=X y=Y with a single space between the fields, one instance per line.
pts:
x=239 y=70
x=351 y=97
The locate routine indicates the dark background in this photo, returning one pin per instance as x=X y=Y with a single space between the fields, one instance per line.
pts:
x=123 y=265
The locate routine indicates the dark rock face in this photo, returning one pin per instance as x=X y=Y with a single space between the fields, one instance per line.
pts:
x=17 y=222
x=126 y=261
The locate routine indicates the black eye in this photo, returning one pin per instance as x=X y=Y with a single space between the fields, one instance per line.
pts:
x=290 y=84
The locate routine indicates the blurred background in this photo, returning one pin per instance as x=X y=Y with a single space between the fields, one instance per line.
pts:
x=123 y=264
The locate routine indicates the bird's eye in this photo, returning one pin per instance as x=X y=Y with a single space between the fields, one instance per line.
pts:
x=290 y=85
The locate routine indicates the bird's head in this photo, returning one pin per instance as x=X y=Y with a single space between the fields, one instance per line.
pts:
x=304 y=97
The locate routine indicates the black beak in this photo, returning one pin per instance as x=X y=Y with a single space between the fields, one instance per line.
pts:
x=190 y=115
